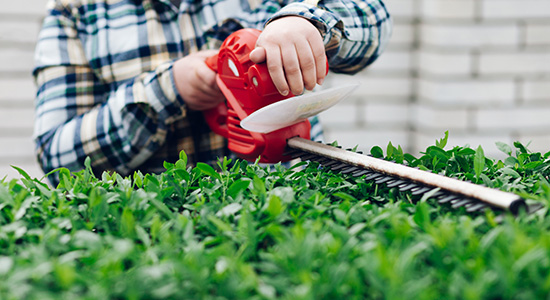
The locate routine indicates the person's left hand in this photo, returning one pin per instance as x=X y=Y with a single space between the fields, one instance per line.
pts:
x=196 y=82
x=294 y=52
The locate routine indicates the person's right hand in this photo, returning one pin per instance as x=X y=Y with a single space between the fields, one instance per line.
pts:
x=294 y=52
x=196 y=82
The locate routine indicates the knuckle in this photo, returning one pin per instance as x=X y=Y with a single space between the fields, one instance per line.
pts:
x=308 y=64
x=211 y=82
x=273 y=68
x=320 y=56
x=292 y=70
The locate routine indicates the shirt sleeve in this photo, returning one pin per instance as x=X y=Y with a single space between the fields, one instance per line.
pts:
x=355 y=32
x=78 y=115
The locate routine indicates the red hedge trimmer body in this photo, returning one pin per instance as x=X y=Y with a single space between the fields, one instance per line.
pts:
x=247 y=88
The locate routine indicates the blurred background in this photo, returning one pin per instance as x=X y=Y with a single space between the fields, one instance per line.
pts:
x=477 y=68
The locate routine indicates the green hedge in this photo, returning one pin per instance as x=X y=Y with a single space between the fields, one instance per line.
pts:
x=247 y=232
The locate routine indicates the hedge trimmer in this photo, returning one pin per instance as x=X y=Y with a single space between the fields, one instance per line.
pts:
x=259 y=122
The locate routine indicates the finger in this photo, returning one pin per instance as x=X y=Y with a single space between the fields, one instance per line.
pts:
x=307 y=64
x=257 y=55
x=200 y=101
x=275 y=68
x=210 y=103
x=207 y=81
x=206 y=53
x=293 y=73
x=318 y=50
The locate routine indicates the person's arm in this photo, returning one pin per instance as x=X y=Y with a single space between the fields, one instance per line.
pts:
x=355 y=32
x=351 y=33
x=78 y=115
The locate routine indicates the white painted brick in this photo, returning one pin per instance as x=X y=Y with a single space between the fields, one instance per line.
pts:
x=456 y=138
x=16 y=118
x=448 y=9
x=342 y=114
x=518 y=63
x=429 y=117
x=384 y=113
x=373 y=87
x=33 y=169
x=469 y=35
x=515 y=118
x=401 y=9
x=366 y=139
x=18 y=31
x=402 y=35
x=380 y=87
x=515 y=9
x=16 y=147
x=23 y=7
x=20 y=90
x=438 y=63
x=469 y=92
x=16 y=60
x=536 y=143
x=536 y=90
x=363 y=100
x=538 y=34
x=392 y=61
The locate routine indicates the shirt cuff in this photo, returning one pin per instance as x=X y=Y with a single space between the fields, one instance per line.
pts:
x=320 y=18
x=162 y=95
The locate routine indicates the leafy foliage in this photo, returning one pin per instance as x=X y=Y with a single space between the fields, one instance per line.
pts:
x=244 y=231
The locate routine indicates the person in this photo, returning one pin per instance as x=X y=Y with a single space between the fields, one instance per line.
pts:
x=125 y=82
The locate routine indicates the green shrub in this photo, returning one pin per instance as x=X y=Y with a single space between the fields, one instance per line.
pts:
x=247 y=232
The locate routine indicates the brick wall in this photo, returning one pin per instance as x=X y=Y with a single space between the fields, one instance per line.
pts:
x=19 y=25
x=478 y=68
x=380 y=110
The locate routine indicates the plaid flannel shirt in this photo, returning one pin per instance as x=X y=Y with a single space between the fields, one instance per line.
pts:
x=104 y=73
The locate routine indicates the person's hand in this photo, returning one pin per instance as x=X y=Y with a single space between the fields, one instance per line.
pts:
x=294 y=52
x=196 y=82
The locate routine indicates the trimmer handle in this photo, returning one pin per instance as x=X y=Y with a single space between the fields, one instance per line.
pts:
x=247 y=87
x=259 y=81
x=216 y=117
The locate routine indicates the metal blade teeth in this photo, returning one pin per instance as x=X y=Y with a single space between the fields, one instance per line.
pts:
x=330 y=163
x=438 y=194
x=383 y=179
x=395 y=183
x=475 y=207
x=407 y=186
x=373 y=176
x=392 y=180
x=361 y=172
x=447 y=199
x=420 y=190
x=460 y=203
x=350 y=169
x=323 y=160
x=308 y=157
x=338 y=166
x=403 y=185
x=351 y=150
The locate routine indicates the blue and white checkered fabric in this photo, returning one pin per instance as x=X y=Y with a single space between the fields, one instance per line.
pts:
x=104 y=73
